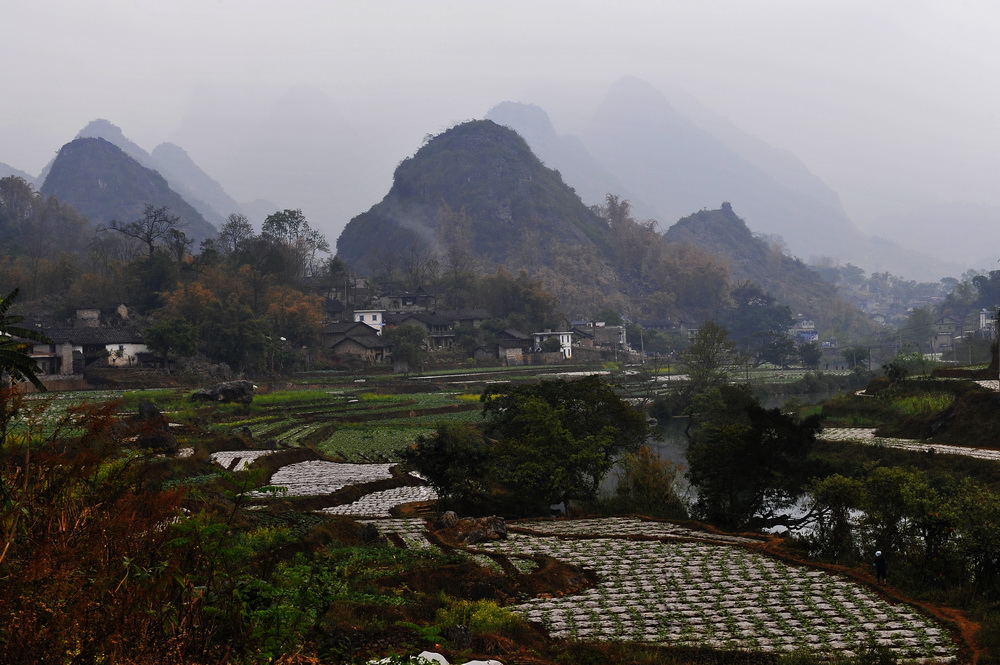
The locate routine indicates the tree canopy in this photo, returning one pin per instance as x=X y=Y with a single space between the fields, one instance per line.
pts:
x=745 y=460
x=541 y=444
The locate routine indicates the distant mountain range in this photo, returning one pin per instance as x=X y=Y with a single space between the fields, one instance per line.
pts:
x=6 y=171
x=667 y=154
x=185 y=177
x=670 y=164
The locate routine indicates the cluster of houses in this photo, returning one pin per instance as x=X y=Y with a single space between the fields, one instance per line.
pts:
x=85 y=341
x=350 y=335
x=360 y=337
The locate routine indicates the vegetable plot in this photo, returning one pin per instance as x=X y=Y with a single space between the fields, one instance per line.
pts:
x=695 y=593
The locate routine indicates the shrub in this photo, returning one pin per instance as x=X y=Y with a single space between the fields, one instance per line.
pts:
x=479 y=616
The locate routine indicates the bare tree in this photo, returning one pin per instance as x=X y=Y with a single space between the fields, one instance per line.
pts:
x=155 y=225
x=178 y=244
x=236 y=230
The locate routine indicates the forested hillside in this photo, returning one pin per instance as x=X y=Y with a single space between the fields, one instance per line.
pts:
x=763 y=260
x=476 y=187
x=476 y=198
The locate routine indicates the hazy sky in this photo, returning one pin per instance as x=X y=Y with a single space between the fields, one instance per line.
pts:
x=893 y=103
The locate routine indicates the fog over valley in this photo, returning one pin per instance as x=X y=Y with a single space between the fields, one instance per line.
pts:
x=826 y=123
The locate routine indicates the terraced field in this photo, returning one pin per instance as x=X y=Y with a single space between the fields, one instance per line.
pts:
x=866 y=435
x=356 y=428
x=662 y=583
x=701 y=588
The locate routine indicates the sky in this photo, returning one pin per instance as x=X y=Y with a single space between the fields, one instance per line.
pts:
x=894 y=104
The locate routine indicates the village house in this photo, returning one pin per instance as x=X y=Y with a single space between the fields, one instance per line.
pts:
x=439 y=333
x=394 y=299
x=73 y=349
x=372 y=317
x=473 y=318
x=565 y=338
x=513 y=346
x=364 y=348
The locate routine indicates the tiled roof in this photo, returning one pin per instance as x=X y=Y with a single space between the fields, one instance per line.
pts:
x=367 y=341
x=464 y=314
x=511 y=333
x=92 y=336
x=425 y=318
x=345 y=327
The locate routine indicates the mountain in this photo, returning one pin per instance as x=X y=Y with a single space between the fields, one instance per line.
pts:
x=677 y=166
x=6 y=171
x=190 y=181
x=184 y=176
x=102 y=182
x=479 y=185
x=588 y=177
x=750 y=258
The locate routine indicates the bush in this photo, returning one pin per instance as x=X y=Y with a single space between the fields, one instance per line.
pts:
x=646 y=486
x=479 y=616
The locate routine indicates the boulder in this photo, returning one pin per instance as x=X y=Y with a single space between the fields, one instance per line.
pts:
x=228 y=391
x=472 y=530
x=153 y=429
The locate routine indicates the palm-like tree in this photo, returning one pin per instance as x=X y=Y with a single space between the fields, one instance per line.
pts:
x=15 y=362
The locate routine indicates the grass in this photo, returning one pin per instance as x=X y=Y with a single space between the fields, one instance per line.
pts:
x=354 y=442
x=923 y=405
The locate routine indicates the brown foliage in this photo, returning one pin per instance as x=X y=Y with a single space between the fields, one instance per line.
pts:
x=85 y=561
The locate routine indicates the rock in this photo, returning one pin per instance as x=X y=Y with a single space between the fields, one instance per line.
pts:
x=472 y=530
x=228 y=391
x=153 y=429
x=447 y=520
x=149 y=413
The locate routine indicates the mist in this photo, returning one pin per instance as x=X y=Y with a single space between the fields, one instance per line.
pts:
x=312 y=106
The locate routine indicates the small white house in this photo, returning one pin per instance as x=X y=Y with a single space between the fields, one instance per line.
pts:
x=371 y=317
x=565 y=341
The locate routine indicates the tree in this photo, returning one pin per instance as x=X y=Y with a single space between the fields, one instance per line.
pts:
x=234 y=231
x=15 y=362
x=811 y=354
x=746 y=461
x=706 y=359
x=178 y=244
x=856 y=356
x=526 y=303
x=646 y=486
x=231 y=334
x=407 y=343
x=454 y=461
x=291 y=230
x=636 y=245
x=174 y=335
x=294 y=315
x=833 y=499
x=154 y=226
x=918 y=329
x=757 y=322
x=561 y=437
